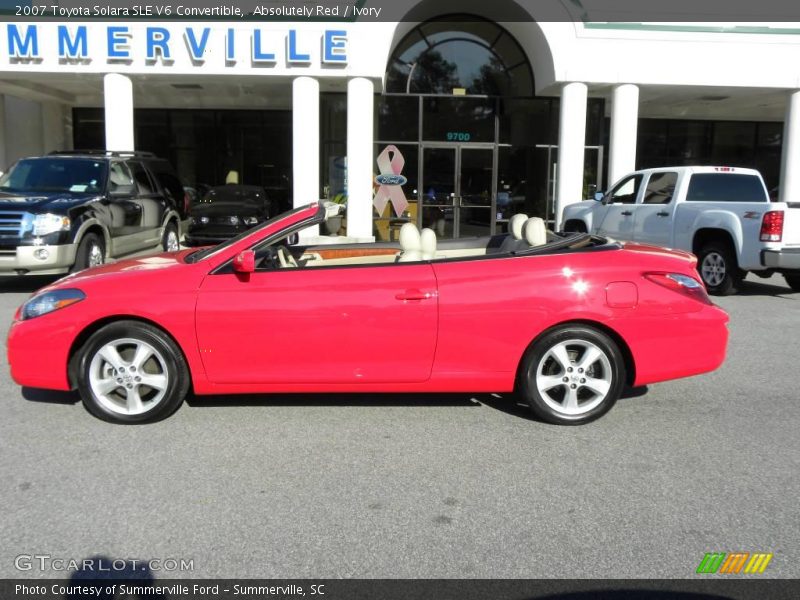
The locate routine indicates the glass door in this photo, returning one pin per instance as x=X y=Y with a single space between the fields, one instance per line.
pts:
x=437 y=193
x=456 y=192
x=474 y=212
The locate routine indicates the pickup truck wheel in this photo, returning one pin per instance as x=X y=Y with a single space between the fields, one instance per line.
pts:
x=573 y=375
x=718 y=269
x=131 y=372
x=793 y=281
x=91 y=253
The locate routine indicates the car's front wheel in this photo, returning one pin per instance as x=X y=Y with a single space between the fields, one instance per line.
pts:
x=572 y=375
x=91 y=252
x=132 y=372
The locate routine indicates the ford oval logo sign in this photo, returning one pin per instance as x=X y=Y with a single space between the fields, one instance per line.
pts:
x=390 y=179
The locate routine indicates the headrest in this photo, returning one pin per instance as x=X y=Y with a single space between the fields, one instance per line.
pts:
x=535 y=232
x=515 y=224
x=410 y=238
x=428 y=243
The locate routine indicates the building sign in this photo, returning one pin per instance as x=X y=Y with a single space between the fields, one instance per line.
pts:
x=165 y=45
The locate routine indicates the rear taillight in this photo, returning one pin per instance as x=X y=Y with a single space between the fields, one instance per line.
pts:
x=187 y=203
x=682 y=284
x=772 y=226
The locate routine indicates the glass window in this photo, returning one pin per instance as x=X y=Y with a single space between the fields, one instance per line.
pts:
x=458 y=119
x=397 y=118
x=725 y=187
x=146 y=186
x=660 y=188
x=477 y=56
x=168 y=180
x=120 y=178
x=625 y=191
x=55 y=175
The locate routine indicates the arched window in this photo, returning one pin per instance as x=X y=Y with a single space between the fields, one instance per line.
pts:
x=459 y=52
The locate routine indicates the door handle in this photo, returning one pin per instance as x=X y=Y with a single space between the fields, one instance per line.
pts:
x=626 y=213
x=417 y=295
x=663 y=213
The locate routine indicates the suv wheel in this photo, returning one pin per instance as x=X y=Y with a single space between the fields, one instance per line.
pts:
x=717 y=266
x=91 y=253
x=170 y=241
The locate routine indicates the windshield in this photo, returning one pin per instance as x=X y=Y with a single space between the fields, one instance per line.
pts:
x=209 y=252
x=48 y=175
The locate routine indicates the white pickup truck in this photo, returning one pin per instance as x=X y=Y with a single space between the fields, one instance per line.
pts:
x=721 y=214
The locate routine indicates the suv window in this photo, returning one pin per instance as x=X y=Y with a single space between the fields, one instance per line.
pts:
x=146 y=185
x=660 y=188
x=35 y=175
x=725 y=187
x=625 y=191
x=120 y=178
x=173 y=188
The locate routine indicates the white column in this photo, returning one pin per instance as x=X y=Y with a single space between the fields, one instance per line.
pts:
x=360 y=93
x=571 y=147
x=305 y=141
x=118 y=92
x=790 y=158
x=624 y=125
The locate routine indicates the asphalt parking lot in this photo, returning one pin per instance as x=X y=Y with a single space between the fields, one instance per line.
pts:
x=422 y=486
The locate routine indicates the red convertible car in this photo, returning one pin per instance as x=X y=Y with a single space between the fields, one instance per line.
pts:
x=566 y=320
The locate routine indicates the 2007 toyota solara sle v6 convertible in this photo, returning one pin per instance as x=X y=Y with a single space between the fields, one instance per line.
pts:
x=565 y=320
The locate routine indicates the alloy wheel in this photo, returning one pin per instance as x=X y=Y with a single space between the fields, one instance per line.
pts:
x=574 y=376
x=95 y=255
x=128 y=376
x=713 y=269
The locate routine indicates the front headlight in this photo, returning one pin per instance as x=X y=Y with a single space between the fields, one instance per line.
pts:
x=50 y=301
x=49 y=223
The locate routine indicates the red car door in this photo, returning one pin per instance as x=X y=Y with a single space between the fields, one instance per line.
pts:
x=319 y=325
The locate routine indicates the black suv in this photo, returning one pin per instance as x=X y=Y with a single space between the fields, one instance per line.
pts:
x=71 y=210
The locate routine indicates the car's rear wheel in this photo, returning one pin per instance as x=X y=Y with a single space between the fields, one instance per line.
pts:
x=170 y=241
x=132 y=372
x=91 y=253
x=717 y=266
x=572 y=375
x=793 y=281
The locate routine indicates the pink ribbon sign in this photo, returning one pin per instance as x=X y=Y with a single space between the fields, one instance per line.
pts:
x=391 y=182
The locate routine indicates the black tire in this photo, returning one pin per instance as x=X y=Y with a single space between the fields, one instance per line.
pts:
x=575 y=227
x=115 y=406
x=539 y=365
x=718 y=269
x=87 y=249
x=793 y=281
x=170 y=230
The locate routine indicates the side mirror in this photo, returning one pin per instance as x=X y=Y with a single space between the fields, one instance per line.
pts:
x=245 y=262
x=598 y=196
x=293 y=239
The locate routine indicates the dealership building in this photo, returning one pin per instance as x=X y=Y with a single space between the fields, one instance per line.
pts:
x=469 y=115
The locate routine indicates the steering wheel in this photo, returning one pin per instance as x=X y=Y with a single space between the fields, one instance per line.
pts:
x=285 y=257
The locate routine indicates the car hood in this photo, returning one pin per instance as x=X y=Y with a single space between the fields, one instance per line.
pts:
x=43 y=202
x=228 y=209
x=112 y=273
